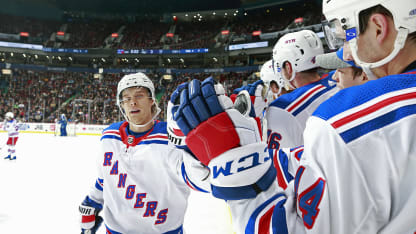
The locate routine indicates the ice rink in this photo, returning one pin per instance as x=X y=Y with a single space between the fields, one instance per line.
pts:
x=41 y=190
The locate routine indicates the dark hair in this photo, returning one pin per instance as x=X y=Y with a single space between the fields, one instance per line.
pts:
x=365 y=15
x=356 y=72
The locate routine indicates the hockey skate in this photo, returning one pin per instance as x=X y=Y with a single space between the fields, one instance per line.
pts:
x=13 y=158
x=9 y=157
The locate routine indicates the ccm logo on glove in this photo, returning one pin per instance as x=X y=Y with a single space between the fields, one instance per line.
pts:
x=239 y=165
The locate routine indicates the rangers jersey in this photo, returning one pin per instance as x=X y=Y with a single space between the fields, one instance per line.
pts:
x=356 y=173
x=141 y=181
x=12 y=128
x=286 y=116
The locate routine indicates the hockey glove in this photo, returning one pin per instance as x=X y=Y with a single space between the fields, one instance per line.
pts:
x=194 y=173
x=90 y=220
x=224 y=140
x=258 y=94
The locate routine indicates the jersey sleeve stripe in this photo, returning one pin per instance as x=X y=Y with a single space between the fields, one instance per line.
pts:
x=304 y=97
x=111 y=137
x=99 y=184
x=373 y=108
x=377 y=123
x=189 y=182
x=263 y=215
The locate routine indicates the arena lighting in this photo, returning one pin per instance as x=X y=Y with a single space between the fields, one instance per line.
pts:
x=60 y=33
x=6 y=71
x=256 y=33
x=24 y=55
x=214 y=13
x=24 y=34
x=299 y=20
x=167 y=77
x=225 y=32
x=114 y=35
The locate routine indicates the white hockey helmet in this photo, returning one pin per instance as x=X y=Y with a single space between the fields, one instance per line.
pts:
x=9 y=115
x=299 y=49
x=343 y=24
x=136 y=80
x=269 y=73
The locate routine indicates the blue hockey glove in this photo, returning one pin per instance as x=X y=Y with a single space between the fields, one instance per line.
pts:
x=228 y=142
x=258 y=94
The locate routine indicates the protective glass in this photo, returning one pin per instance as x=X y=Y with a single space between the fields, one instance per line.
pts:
x=334 y=34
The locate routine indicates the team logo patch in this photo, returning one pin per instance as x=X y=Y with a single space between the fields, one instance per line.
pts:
x=412 y=12
x=130 y=139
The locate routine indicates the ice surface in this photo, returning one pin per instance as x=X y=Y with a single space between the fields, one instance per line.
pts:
x=41 y=190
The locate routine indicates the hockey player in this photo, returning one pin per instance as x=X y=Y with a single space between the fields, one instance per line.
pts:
x=356 y=172
x=140 y=186
x=347 y=73
x=63 y=122
x=274 y=80
x=10 y=125
x=286 y=116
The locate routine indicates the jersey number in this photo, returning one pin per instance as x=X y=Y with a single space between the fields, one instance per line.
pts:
x=274 y=139
x=309 y=199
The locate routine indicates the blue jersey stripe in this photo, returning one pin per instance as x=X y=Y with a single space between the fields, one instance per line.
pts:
x=279 y=225
x=186 y=179
x=377 y=123
x=251 y=225
x=98 y=186
x=110 y=137
x=284 y=162
x=311 y=99
x=160 y=142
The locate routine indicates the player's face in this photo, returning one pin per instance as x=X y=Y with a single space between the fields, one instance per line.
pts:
x=345 y=78
x=274 y=88
x=137 y=104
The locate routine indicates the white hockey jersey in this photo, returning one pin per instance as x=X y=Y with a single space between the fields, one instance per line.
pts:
x=357 y=171
x=12 y=127
x=286 y=116
x=142 y=183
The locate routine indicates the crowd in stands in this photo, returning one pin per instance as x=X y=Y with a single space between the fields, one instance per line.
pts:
x=143 y=34
x=150 y=33
x=41 y=96
x=89 y=34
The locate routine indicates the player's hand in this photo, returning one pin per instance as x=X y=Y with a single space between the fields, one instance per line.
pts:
x=228 y=142
x=258 y=96
x=90 y=220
